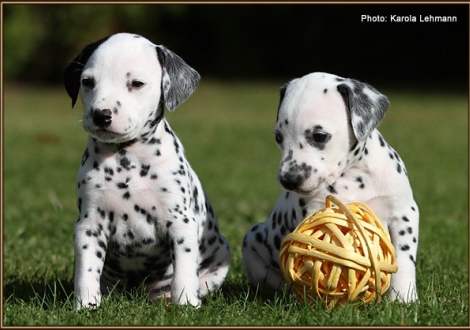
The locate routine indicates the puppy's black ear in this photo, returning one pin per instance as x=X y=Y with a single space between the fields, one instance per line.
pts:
x=282 y=92
x=74 y=70
x=179 y=79
x=366 y=105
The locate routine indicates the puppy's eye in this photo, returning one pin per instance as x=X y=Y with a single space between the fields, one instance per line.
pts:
x=319 y=137
x=137 y=84
x=279 y=138
x=88 y=82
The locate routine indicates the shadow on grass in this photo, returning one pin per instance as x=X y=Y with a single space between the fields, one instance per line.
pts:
x=40 y=290
x=56 y=291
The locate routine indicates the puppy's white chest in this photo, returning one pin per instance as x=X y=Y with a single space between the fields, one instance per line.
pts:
x=129 y=192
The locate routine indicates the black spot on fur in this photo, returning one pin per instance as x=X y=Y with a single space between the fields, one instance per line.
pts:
x=398 y=168
x=206 y=262
x=361 y=182
x=125 y=162
x=273 y=221
x=213 y=239
x=148 y=241
x=130 y=234
x=101 y=244
x=259 y=237
x=277 y=242
x=108 y=170
x=381 y=140
x=144 y=169
x=85 y=156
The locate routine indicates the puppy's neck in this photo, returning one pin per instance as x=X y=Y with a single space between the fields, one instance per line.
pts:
x=360 y=154
x=152 y=124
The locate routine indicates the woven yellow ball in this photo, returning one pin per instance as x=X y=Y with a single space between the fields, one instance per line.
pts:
x=338 y=254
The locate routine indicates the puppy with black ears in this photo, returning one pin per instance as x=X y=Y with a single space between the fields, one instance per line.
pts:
x=326 y=129
x=143 y=214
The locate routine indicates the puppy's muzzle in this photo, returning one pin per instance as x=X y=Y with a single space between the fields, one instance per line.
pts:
x=102 y=118
x=290 y=181
x=295 y=176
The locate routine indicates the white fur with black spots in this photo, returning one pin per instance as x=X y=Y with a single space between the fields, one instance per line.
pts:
x=326 y=130
x=144 y=218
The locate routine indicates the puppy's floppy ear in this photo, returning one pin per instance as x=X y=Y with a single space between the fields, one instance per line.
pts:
x=282 y=93
x=74 y=70
x=179 y=80
x=366 y=105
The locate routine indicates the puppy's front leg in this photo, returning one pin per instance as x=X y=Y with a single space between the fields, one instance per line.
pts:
x=185 y=250
x=404 y=231
x=90 y=251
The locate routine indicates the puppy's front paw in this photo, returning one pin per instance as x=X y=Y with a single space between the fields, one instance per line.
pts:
x=81 y=303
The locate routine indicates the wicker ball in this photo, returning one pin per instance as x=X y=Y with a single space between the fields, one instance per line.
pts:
x=338 y=254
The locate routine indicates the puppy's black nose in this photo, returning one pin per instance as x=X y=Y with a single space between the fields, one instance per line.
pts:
x=102 y=118
x=290 y=181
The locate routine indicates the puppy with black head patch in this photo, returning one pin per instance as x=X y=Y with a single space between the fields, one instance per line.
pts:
x=326 y=129
x=144 y=218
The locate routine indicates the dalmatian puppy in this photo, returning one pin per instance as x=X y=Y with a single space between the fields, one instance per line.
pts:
x=144 y=218
x=326 y=130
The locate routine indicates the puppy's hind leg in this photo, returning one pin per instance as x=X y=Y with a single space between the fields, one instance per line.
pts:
x=214 y=268
x=260 y=267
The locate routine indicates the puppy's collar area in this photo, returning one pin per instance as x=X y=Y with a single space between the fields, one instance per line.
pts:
x=123 y=145
x=152 y=123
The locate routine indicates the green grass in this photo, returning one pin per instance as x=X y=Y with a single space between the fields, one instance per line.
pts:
x=227 y=131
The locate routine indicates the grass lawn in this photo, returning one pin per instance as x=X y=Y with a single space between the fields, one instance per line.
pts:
x=227 y=131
